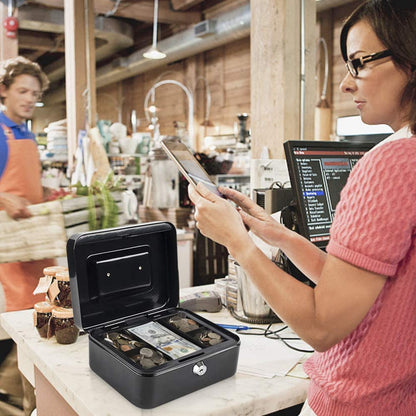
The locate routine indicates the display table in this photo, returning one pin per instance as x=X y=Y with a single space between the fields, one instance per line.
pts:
x=65 y=384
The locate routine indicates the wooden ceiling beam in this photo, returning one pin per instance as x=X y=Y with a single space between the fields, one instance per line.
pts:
x=35 y=55
x=57 y=4
x=184 y=4
x=141 y=10
x=41 y=41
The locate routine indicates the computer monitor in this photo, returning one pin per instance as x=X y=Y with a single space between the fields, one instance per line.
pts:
x=318 y=171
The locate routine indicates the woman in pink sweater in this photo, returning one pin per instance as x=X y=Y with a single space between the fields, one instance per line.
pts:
x=361 y=316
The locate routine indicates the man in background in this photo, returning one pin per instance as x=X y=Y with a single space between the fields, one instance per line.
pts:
x=22 y=83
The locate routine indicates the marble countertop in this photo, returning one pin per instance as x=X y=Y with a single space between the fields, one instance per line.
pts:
x=66 y=368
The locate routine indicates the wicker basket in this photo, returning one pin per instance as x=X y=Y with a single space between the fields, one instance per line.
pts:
x=40 y=237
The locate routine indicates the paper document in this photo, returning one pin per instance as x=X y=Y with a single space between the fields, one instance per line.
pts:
x=267 y=357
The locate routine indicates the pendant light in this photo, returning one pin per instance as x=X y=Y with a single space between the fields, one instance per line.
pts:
x=153 y=52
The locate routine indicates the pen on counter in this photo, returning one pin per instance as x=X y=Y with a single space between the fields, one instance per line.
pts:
x=240 y=327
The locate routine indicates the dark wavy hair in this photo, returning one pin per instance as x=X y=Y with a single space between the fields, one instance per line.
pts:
x=14 y=67
x=394 y=23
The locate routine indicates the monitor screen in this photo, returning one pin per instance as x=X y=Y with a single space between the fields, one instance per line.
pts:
x=318 y=171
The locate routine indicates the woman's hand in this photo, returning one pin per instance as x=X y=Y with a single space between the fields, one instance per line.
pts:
x=256 y=219
x=15 y=206
x=217 y=219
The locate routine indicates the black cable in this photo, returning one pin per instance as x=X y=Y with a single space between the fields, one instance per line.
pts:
x=275 y=335
x=284 y=340
x=268 y=333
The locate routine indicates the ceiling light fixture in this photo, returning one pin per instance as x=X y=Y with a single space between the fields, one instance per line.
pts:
x=153 y=52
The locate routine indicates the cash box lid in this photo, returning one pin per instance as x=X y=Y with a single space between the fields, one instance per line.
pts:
x=120 y=273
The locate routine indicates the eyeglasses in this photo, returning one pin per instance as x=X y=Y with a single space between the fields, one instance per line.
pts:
x=354 y=64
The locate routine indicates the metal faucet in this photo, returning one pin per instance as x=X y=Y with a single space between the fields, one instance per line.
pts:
x=151 y=93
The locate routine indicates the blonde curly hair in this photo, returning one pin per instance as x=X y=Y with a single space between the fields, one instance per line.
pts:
x=12 y=68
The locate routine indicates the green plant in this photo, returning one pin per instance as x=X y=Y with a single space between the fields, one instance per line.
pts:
x=102 y=208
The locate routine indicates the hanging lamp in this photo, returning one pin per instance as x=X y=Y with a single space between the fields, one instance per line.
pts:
x=153 y=52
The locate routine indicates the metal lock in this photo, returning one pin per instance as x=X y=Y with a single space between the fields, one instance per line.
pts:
x=199 y=368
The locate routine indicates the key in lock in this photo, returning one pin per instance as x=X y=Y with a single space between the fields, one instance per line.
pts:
x=199 y=368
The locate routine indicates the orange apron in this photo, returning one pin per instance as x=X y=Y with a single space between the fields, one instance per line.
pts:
x=22 y=177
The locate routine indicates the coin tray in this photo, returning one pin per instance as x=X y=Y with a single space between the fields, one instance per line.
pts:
x=124 y=280
x=136 y=350
x=193 y=331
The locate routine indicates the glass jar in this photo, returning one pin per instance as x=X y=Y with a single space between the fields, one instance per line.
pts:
x=63 y=325
x=41 y=316
x=63 y=298
x=51 y=288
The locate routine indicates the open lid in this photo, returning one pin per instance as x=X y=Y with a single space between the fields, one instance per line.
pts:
x=120 y=273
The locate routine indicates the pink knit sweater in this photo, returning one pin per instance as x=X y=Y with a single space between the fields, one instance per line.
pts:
x=372 y=372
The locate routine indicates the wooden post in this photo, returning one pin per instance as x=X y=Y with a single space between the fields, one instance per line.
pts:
x=92 y=96
x=80 y=71
x=8 y=47
x=323 y=114
x=276 y=73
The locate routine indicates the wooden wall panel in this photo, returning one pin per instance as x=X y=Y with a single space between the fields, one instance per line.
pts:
x=227 y=70
x=109 y=102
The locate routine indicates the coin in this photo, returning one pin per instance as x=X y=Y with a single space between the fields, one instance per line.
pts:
x=184 y=324
x=125 y=337
x=113 y=335
x=107 y=339
x=146 y=352
x=208 y=337
x=158 y=358
x=147 y=363
x=126 y=347
x=137 y=344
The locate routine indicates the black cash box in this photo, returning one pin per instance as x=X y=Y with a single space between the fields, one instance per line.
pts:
x=125 y=291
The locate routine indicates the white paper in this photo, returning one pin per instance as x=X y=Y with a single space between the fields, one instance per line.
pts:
x=267 y=357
